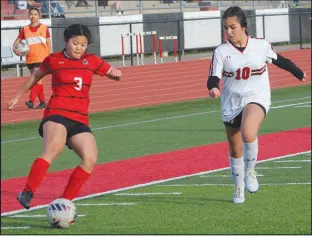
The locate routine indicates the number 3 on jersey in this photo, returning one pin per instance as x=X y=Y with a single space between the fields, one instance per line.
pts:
x=242 y=73
x=79 y=83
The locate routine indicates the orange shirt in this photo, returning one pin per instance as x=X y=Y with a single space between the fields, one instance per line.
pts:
x=37 y=41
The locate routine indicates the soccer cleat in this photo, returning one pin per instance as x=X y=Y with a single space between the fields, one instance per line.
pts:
x=251 y=182
x=30 y=104
x=239 y=195
x=42 y=105
x=24 y=199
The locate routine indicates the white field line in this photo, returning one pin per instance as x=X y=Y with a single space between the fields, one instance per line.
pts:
x=278 y=167
x=107 y=204
x=204 y=185
x=303 y=106
x=155 y=120
x=146 y=194
x=221 y=176
x=34 y=216
x=147 y=184
x=18 y=227
x=291 y=105
x=294 y=161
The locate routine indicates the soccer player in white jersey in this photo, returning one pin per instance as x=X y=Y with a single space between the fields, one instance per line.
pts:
x=241 y=64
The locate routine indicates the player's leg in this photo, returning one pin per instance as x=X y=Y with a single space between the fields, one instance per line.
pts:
x=54 y=138
x=40 y=91
x=236 y=160
x=33 y=91
x=36 y=91
x=85 y=146
x=252 y=118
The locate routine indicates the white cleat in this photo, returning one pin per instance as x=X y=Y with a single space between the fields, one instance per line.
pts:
x=251 y=182
x=239 y=195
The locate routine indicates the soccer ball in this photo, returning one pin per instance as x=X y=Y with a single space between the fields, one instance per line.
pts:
x=22 y=47
x=61 y=213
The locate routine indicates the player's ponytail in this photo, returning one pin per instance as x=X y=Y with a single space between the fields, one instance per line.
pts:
x=77 y=30
x=237 y=12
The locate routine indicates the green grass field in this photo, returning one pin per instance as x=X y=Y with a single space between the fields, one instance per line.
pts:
x=195 y=208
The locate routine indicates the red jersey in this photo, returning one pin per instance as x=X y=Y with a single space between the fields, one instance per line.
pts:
x=71 y=82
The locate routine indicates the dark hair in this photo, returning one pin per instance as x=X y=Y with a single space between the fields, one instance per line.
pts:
x=34 y=8
x=238 y=13
x=77 y=30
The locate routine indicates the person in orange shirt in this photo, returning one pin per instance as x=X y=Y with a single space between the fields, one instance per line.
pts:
x=37 y=37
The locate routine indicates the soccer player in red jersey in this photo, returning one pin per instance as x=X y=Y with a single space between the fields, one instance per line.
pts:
x=65 y=120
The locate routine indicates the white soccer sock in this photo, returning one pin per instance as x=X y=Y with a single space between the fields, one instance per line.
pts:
x=237 y=170
x=250 y=154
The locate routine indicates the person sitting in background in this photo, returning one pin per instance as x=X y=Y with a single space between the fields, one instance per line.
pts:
x=56 y=9
x=69 y=3
x=31 y=4
x=21 y=5
x=115 y=5
x=83 y=3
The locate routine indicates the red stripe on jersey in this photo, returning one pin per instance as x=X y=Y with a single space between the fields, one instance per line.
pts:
x=255 y=70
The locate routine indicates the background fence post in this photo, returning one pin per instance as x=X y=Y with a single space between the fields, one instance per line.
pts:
x=179 y=40
x=131 y=49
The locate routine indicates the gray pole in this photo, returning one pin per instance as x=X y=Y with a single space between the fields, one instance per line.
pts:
x=141 y=6
x=49 y=9
x=96 y=8
x=181 y=5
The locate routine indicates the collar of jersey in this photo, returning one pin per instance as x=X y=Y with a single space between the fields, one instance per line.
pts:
x=66 y=55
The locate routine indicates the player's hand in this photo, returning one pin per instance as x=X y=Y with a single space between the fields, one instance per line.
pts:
x=12 y=103
x=215 y=93
x=115 y=74
x=304 y=77
x=16 y=52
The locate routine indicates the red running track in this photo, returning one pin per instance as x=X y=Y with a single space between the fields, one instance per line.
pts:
x=147 y=85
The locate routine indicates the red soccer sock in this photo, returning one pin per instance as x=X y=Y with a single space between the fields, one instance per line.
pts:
x=40 y=93
x=36 y=174
x=33 y=92
x=75 y=182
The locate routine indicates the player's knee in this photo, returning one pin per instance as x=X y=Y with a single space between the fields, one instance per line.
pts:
x=89 y=161
x=248 y=138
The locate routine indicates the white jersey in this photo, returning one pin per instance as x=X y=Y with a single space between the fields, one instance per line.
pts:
x=244 y=75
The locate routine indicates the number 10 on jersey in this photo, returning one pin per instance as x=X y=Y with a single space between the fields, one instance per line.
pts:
x=243 y=73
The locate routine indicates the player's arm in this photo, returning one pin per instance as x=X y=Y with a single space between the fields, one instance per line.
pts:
x=37 y=75
x=49 y=44
x=215 y=73
x=17 y=41
x=288 y=65
x=105 y=69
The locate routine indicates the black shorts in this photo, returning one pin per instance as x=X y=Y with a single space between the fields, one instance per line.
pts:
x=33 y=65
x=236 y=122
x=72 y=127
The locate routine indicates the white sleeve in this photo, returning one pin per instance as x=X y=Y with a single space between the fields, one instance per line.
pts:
x=270 y=54
x=216 y=66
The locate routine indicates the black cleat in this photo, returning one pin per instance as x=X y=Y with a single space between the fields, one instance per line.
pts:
x=42 y=105
x=24 y=199
x=30 y=104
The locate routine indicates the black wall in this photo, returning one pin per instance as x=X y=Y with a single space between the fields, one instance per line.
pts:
x=163 y=29
x=294 y=26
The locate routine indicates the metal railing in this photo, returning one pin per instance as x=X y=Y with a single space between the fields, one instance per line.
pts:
x=300 y=33
x=131 y=7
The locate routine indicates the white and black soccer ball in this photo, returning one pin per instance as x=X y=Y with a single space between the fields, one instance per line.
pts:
x=22 y=47
x=61 y=213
